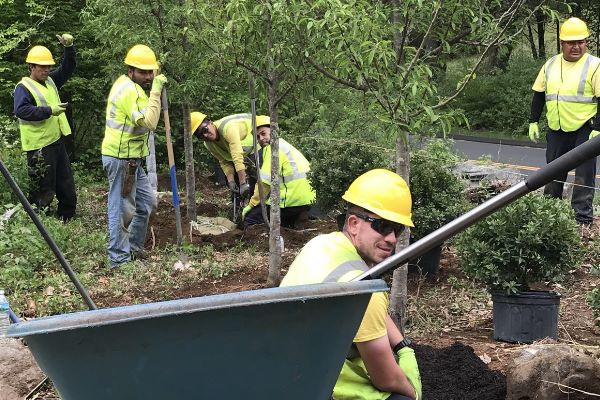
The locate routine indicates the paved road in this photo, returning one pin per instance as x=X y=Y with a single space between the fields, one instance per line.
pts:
x=521 y=157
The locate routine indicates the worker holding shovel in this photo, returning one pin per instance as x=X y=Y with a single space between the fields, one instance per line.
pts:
x=130 y=115
x=380 y=365
x=296 y=194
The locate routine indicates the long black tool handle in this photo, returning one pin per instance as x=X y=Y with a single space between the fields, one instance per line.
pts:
x=544 y=175
x=36 y=220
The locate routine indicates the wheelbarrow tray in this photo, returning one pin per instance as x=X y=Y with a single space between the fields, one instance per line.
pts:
x=278 y=343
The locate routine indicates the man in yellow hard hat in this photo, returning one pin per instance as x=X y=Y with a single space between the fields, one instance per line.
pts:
x=43 y=124
x=296 y=192
x=230 y=141
x=380 y=365
x=569 y=85
x=132 y=111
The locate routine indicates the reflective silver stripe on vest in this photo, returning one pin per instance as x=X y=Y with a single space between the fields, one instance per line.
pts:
x=33 y=88
x=296 y=174
x=113 y=124
x=233 y=117
x=343 y=269
x=579 y=98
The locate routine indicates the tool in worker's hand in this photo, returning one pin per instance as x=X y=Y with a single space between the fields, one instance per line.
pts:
x=129 y=177
x=165 y=106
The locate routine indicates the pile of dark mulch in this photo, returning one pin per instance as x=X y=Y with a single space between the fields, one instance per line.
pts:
x=456 y=372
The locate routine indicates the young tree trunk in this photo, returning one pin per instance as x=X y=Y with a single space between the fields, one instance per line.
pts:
x=534 y=52
x=275 y=250
x=399 y=294
x=190 y=179
x=541 y=32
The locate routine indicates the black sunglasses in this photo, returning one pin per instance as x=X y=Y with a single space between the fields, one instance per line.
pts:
x=382 y=226
x=202 y=130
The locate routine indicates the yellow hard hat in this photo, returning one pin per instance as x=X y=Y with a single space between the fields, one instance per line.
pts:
x=262 y=120
x=573 y=29
x=142 y=57
x=383 y=193
x=39 y=55
x=196 y=118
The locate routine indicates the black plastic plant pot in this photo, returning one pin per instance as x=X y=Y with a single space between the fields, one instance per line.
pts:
x=428 y=263
x=525 y=317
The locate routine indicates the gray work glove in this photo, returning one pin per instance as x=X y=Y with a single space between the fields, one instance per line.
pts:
x=232 y=186
x=65 y=39
x=58 y=109
x=244 y=189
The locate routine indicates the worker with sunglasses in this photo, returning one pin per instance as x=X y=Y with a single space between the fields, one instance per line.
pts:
x=230 y=141
x=380 y=365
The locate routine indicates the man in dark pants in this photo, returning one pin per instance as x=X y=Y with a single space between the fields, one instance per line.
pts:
x=43 y=124
x=569 y=83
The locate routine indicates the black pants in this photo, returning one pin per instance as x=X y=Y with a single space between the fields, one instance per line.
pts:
x=558 y=143
x=49 y=170
x=290 y=216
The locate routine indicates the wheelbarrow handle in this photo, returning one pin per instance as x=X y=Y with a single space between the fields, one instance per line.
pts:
x=544 y=175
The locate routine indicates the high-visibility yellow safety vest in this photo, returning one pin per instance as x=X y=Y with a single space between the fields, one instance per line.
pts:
x=295 y=189
x=233 y=129
x=38 y=134
x=333 y=258
x=126 y=104
x=570 y=100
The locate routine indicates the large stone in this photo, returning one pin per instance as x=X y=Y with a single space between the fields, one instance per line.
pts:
x=19 y=373
x=553 y=372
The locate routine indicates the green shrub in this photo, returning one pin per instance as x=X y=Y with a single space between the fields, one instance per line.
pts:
x=534 y=239
x=334 y=166
x=502 y=101
x=438 y=194
x=593 y=299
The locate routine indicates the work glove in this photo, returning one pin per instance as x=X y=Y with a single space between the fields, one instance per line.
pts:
x=58 y=109
x=594 y=133
x=244 y=189
x=246 y=210
x=534 y=132
x=65 y=39
x=232 y=186
x=408 y=364
x=158 y=83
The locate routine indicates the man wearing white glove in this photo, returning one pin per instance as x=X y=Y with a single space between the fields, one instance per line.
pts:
x=43 y=124
x=132 y=111
x=569 y=85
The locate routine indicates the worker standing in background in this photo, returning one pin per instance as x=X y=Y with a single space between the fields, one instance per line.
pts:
x=43 y=124
x=569 y=84
x=381 y=365
x=230 y=141
x=130 y=115
x=296 y=193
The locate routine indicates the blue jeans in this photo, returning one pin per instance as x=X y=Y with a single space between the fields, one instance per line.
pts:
x=127 y=217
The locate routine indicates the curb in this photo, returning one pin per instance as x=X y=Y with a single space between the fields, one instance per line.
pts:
x=510 y=142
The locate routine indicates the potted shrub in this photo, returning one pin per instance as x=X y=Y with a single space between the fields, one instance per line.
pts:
x=534 y=240
x=438 y=196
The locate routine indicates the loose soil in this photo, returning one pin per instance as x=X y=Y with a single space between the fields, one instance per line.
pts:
x=461 y=360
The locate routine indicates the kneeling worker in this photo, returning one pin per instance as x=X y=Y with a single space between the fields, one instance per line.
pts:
x=380 y=365
x=296 y=193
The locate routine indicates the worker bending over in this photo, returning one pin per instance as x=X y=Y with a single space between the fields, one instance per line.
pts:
x=130 y=116
x=296 y=193
x=230 y=141
x=381 y=365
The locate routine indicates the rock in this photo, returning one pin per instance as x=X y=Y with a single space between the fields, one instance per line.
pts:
x=19 y=373
x=551 y=372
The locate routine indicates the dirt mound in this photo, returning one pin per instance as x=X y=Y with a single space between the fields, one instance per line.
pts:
x=455 y=372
